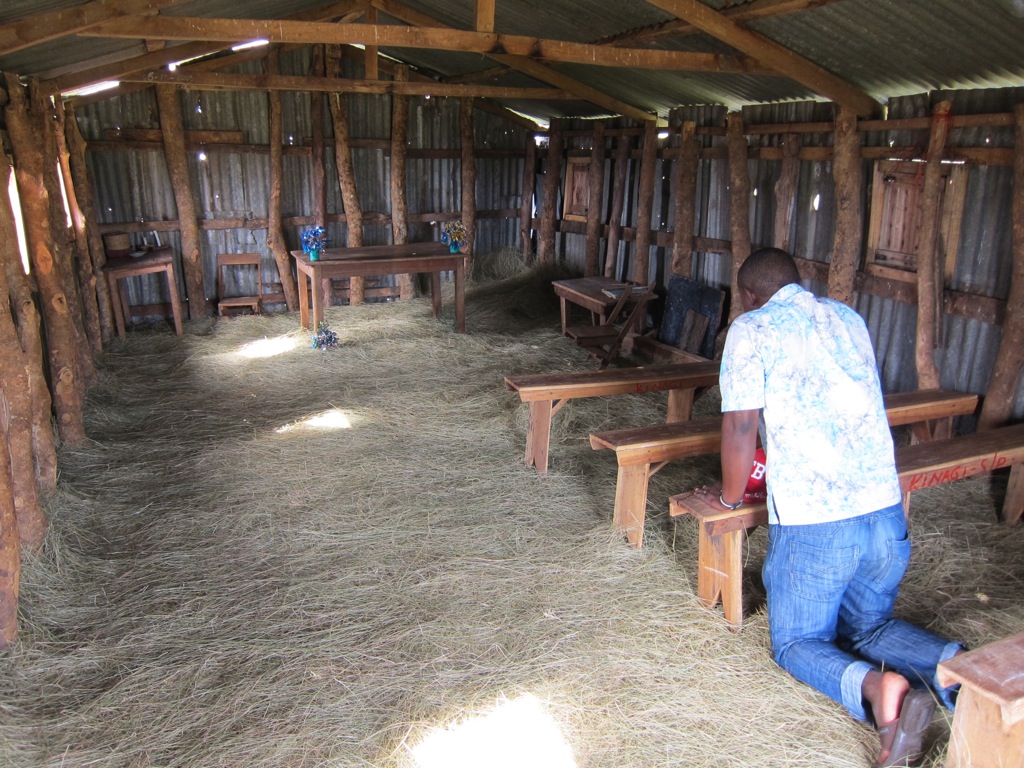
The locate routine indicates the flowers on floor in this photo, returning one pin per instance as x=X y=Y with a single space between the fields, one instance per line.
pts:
x=324 y=338
x=453 y=233
x=314 y=239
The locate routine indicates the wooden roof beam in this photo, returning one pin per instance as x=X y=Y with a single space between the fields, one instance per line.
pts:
x=50 y=25
x=396 y=36
x=341 y=10
x=771 y=54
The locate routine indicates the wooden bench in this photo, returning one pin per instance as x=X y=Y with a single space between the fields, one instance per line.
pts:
x=922 y=465
x=548 y=392
x=642 y=451
x=988 y=725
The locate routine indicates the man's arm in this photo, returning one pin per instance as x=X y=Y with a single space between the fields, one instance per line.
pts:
x=739 y=441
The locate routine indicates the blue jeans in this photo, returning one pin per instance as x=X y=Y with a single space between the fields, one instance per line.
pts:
x=831 y=590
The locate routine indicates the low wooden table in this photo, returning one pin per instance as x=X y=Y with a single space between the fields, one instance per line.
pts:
x=121 y=268
x=410 y=258
x=586 y=292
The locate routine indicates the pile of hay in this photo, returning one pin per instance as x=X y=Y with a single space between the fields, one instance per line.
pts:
x=274 y=555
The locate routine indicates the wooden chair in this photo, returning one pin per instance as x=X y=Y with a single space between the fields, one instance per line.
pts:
x=605 y=341
x=225 y=260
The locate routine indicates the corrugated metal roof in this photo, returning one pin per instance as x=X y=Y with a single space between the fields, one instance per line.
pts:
x=887 y=48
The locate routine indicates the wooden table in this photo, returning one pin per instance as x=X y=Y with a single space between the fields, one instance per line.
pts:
x=410 y=258
x=118 y=269
x=586 y=292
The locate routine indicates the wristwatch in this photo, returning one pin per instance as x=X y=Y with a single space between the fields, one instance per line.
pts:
x=726 y=504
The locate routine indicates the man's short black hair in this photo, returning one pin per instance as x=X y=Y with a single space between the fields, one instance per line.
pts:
x=766 y=270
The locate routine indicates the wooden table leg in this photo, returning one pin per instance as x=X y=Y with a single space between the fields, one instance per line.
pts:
x=314 y=292
x=565 y=319
x=172 y=290
x=631 y=502
x=460 y=297
x=719 y=572
x=435 y=293
x=680 y=405
x=1013 y=504
x=115 y=300
x=538 y=435
x=304 y=286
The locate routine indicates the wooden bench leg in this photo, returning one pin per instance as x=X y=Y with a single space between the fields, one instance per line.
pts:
x=631 y=502
x=538 y=435
x=720 y=572
x=680 y=405
x=1013 y=504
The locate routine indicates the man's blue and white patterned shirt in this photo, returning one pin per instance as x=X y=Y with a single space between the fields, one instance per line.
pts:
x=809 y=365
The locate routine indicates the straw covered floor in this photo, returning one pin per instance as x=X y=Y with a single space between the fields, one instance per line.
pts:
x=274 y=555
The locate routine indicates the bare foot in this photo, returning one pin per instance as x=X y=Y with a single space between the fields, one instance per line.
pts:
x=885 y=692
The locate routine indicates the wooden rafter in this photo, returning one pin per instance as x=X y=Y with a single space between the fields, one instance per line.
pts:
x=396 y=36
x=342 y=11
x=42 y=27
x=222 y=81
x=752 y=11
x=527 y=66
x=771 y=54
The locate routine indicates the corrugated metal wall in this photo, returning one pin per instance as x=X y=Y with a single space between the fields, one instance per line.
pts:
x=133 y=186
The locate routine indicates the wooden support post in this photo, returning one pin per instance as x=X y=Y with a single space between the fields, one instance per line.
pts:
x=371 y=69
x=526 y=201
x=618 y=202
x=346 y=179
x=929 y=266
x=173 y=130
x=10 y=553
x=786 y=190
x=739 y=200
x=95 y=253
x=275 y=235
x=318 y=175
x=467 y=144
x=549 y=202
x=21 y=375
x=67 y=384
x=684 y=173
x=595 y=188
x=848 y=173
x=80 y=243
x=645 y=202
x=1006 y=374
x=399 y=144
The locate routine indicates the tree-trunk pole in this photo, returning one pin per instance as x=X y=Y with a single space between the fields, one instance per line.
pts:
x=685 y=173
x=549 y=203
x=17 y=370
x=848 y=173
x=399 y=148
x=275 y=235
x=929 y=266
x=739 y=199
x=10 y=554
x=97 y=256
x=1002 y=389
x=645 y=204
x=79 y=244
x=595 y=188
x=618 y=203
x=467 y=142
x=526 y=201
x=61 y=338
x=173 y=130
x=347 y=182
x=786 y=189
x=318 y=175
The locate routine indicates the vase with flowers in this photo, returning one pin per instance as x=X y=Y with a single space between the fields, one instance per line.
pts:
x=454 y=234
x=313 y=242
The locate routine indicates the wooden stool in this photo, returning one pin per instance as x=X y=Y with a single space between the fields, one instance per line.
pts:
x=116 y=270
x=988 y=725
x=225 y=260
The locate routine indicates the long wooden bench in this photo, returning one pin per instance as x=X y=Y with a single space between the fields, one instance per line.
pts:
x=922 y=465
x=548 y=392
x=642 y=451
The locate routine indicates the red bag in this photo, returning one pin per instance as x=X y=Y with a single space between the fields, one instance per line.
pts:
x=757 y=488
